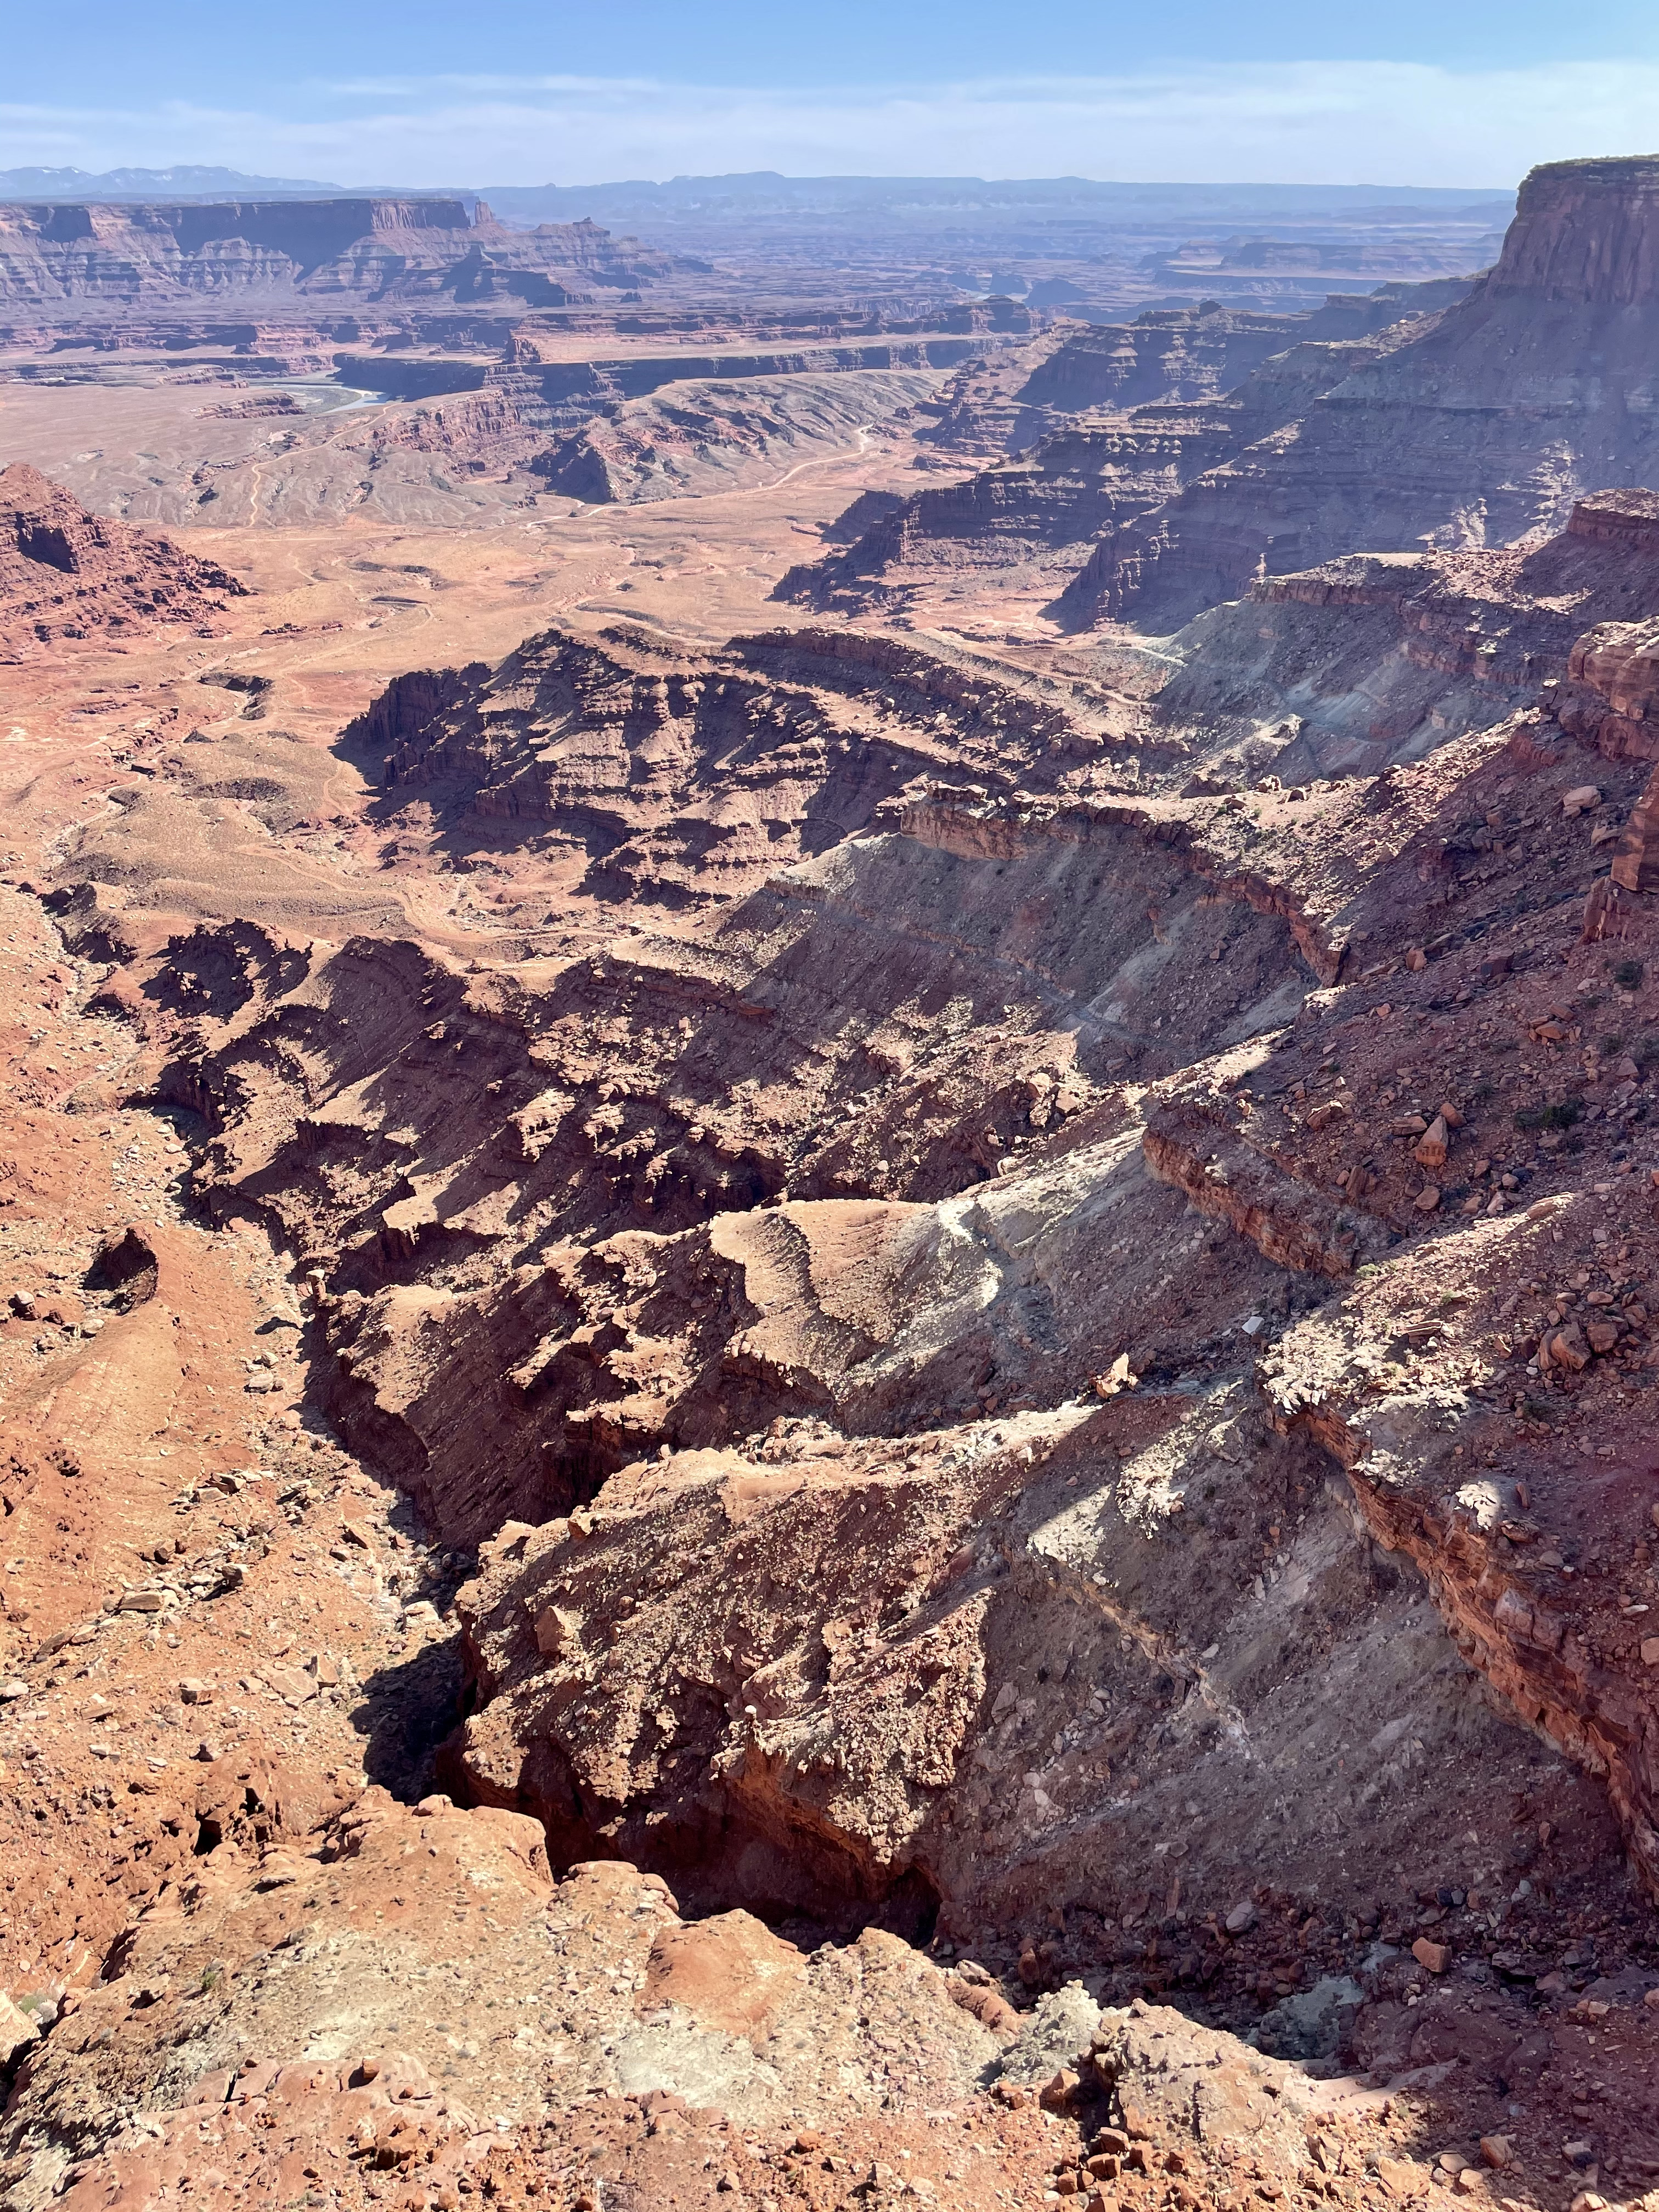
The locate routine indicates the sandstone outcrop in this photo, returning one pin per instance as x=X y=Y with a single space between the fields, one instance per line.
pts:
x=598 y=1243
x=367 y=1920
x=1376 y=657
x=1006 y=403
x=1583 y=235
x=1045 y=510
x=633 y=1175
x=830 y=1686
x=1482 y=429
x=691 y=776
x=65 y=573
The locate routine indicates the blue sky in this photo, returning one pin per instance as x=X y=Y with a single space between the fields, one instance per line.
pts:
x=1463 y=92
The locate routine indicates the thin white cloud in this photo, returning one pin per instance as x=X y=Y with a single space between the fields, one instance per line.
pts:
x=1348 y=122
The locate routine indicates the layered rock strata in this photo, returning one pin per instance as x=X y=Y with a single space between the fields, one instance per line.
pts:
x=688 y=777
x=1004 y=403
x=123 y=256
x=696 y=438
x=998 y=1343
x=1482 y=429
x=1378 y=656
x=65 y=573
x=1045 y=510
x=631 y=1205
x=1002 y=406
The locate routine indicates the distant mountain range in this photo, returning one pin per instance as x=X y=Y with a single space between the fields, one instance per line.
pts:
x=765 y=191
x=186 y=182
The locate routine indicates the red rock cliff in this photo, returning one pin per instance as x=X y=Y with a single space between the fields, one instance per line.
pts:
x=1586 y=232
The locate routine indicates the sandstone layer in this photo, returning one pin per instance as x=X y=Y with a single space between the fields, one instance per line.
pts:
x=1041 y=517
x=369 y=250
x=1480 y=430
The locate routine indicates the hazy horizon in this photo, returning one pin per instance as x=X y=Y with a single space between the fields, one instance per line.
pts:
x=195 y=177
x=1195 y=94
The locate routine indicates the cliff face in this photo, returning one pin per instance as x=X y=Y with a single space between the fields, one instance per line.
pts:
x=1484 y=427
x=1586 y=233
x=1173 y=353
x=284 y=250
x=1044 y=511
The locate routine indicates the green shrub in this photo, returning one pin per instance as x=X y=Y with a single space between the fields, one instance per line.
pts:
x=1561 y=1115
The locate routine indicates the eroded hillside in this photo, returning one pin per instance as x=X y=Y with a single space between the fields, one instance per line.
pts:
x=837 y=1411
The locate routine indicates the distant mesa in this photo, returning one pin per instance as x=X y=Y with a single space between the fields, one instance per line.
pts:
x=275 y=252
x=65 y=573
x=1055 y=292
x=767 y=191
